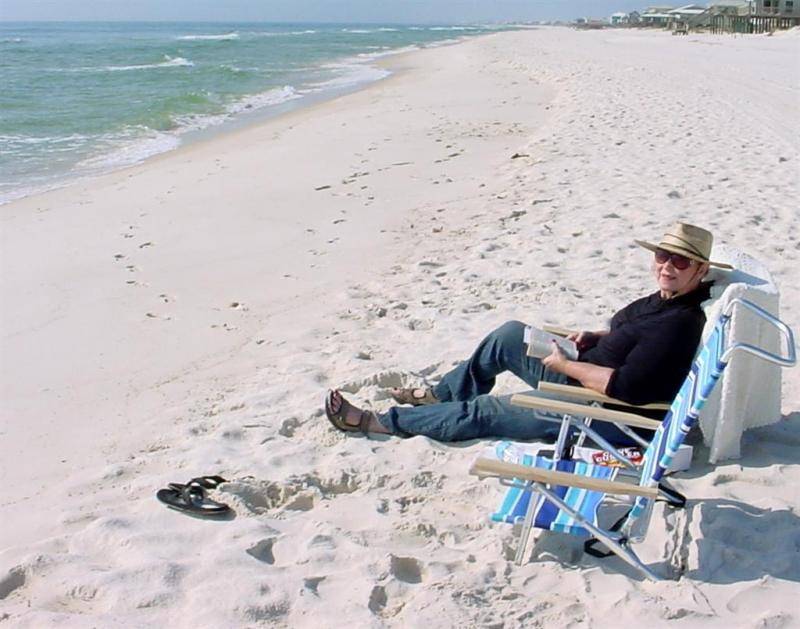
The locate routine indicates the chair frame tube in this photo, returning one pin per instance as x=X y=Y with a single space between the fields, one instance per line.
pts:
x=612 y=541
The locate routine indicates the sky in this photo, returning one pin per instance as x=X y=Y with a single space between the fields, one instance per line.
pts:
x=352 y=11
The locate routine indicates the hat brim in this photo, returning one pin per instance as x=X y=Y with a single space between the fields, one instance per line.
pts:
x=683 y=252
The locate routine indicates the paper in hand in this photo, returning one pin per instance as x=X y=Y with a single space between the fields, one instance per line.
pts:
x=540 y=343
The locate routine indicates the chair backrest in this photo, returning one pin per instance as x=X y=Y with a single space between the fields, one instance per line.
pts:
x=685 y=409
x=749 y=393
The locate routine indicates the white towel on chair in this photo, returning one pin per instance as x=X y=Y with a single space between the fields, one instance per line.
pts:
x=749 y=394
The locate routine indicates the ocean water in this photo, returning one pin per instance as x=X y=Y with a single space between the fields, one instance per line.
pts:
x=78 y=99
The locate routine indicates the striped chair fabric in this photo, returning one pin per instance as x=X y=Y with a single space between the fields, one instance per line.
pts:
x=547 y=515
x=681 y=417
x=705 y=372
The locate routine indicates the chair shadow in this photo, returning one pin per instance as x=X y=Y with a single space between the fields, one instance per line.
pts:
x=739 y=542
x=736 y=542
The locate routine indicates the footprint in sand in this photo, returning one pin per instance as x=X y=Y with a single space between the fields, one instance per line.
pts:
x=312 y=583
x=263 y=550
x=13 y=580
x=152 y=315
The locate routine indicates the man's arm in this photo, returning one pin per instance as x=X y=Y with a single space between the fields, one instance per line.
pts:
x=586 y=340
x=593 y=377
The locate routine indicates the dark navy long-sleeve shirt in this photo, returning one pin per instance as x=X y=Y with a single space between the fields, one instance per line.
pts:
x=651 y=346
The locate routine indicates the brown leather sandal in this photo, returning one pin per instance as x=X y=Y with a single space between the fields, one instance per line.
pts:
x=411 y=396
x=338 y=419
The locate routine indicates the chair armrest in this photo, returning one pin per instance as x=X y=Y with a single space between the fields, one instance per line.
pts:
x=593 y=396
x=558 y=331
x=582 y=410
x=483 y=468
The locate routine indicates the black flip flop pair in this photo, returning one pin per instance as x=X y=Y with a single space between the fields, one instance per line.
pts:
x=191 y=498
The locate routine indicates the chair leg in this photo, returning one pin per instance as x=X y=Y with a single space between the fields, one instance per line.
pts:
x=623 y=552
x=527 y=525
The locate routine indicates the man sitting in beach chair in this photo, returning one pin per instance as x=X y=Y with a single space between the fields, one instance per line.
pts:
x=564 y=496
x=643 y=358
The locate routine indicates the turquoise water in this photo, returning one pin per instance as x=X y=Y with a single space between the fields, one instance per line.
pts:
x=82 y=98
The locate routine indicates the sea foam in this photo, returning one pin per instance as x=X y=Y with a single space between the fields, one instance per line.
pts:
x=174 y=80
x=168 y=62
x=225 y=37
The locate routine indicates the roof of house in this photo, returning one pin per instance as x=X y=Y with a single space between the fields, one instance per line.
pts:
x=682 y=11
x=730 y=3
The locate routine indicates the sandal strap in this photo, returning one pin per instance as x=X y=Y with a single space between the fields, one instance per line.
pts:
x=339 y=418
x=406 y=396
x=363 y=422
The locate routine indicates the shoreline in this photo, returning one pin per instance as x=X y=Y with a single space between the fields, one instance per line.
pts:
x=242 y=119
x=364 y=243
x=223 y=328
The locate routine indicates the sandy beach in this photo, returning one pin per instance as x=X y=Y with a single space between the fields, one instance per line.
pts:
x=186 y=316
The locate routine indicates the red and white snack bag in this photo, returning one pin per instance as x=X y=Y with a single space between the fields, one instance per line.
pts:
x=601 y=457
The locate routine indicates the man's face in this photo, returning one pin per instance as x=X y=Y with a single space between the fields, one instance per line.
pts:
x=674 y=280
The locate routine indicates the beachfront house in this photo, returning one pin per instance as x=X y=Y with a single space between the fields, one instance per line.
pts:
x=730 y=16
x=731 y=7
x=686 y=13
x=753 y=16
x=618 y=19
x=590 y=23
x=656 y=16
x=777 y=8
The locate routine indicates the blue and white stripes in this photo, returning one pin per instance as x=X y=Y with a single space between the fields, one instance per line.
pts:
x=683 y=414
x=547 y=515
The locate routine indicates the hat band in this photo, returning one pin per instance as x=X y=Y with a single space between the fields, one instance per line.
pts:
x=683 y=244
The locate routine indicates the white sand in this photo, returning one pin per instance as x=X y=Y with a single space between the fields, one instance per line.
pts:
x=185 y=317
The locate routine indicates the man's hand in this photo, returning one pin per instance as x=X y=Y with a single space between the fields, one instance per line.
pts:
x=591 y=376
x=584 y=340
x=557 y=360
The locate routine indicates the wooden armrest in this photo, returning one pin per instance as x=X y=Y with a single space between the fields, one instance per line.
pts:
x=558 y=331
x=582 y=410
x=587 y=394
x=483 y=468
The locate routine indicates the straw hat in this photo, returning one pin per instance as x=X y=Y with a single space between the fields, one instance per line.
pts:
x=687 y=240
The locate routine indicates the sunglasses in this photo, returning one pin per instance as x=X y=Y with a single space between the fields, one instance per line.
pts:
x=678 y=261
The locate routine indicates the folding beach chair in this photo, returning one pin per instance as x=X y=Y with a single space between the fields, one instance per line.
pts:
x=564 y=496
x=576 y=426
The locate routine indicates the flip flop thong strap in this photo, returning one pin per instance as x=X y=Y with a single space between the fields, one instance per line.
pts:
x=207 y=482
x=195 y=497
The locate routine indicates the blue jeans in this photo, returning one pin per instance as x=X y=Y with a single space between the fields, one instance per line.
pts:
x=465 y=410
